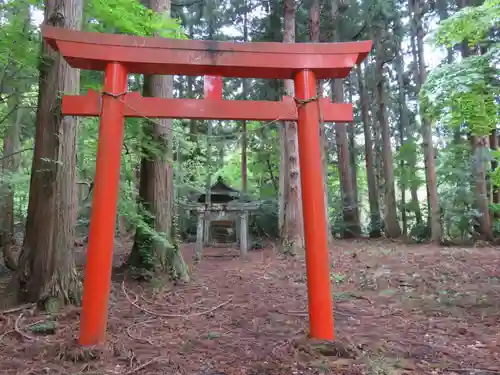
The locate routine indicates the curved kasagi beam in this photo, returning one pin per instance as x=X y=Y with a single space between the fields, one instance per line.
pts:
x=148 y=55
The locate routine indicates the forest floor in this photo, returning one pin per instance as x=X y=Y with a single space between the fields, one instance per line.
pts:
x=399 y=309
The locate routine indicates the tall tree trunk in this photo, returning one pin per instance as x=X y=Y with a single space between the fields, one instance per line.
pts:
x=244 y=141
x=371 y=92
x=350 y=209
x=404 y=122
x=392 y=227
x=495 y=195
x=353 y=155
x=292 y=231
x=480 y=144
x=375 y=219
x=10 y=165
x=275 y=27
x=46 y=271
x=429 y=159
x=314 y=36
x=412 y=163
x=160 y=252
x=352 y=227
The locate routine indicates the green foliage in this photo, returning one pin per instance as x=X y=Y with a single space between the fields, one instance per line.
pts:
x=471 y=24
x=410 y=174
x=131 y=17
x=456 y=192
x=464 y=93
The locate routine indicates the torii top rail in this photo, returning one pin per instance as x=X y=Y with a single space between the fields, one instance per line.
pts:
x=119 y=55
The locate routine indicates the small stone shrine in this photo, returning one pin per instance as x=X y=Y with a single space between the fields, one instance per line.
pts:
x=221 y=211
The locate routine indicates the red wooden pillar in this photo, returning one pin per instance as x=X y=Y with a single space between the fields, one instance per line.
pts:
x=103 y=218
x=316 y=240
x=213 y=87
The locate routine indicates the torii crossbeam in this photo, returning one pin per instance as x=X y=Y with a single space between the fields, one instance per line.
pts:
x=119 y=55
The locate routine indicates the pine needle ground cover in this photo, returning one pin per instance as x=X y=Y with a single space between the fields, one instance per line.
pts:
x=399 y=309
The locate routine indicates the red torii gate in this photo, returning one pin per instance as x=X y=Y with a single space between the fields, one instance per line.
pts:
x=119 y=55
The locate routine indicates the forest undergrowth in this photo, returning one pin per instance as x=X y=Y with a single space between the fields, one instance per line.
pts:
x=399 y=309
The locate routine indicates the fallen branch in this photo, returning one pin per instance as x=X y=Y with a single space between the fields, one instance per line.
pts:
x=186 y=316
x=18 y=330
x=142 y=366
x=13 y=330
x=19 y=308
x=138 y=338
x=168 y=292
x=473 y=370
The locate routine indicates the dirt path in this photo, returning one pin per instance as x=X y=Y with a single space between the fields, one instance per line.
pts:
x=399 y=310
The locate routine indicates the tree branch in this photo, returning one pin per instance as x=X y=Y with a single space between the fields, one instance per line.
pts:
x=3 y=157
x=8 y=114
x=188 y=4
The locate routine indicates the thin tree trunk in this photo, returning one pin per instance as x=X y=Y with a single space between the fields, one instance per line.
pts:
x=404 y=124
x=392 y=227
x=480 y=147
x=46 y=271
x=377 y=137
x=292 y=232
x=495 y=195
x=412 y=163
x=480 y=144
x=353 y=155
x=10 y=164
x=161 y=253
x=244 y=141
x=349 y=204
x=375 y=219
x=429 y=159
x=274 y=86
x=350 y=209
x=314 y=36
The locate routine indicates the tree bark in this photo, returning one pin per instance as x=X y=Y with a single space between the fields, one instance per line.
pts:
x=352 y=227
x=292 y=230
x=10 y=165
x=244 y=140
x=350 y=208
x=375 y=219
x=392 y=227
x=159 y=251
x=429 y=159
x=46 y=271
x=353 y=154
x=412 y=163
x=404 y=122
x=480 y=147
x=495 y=194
